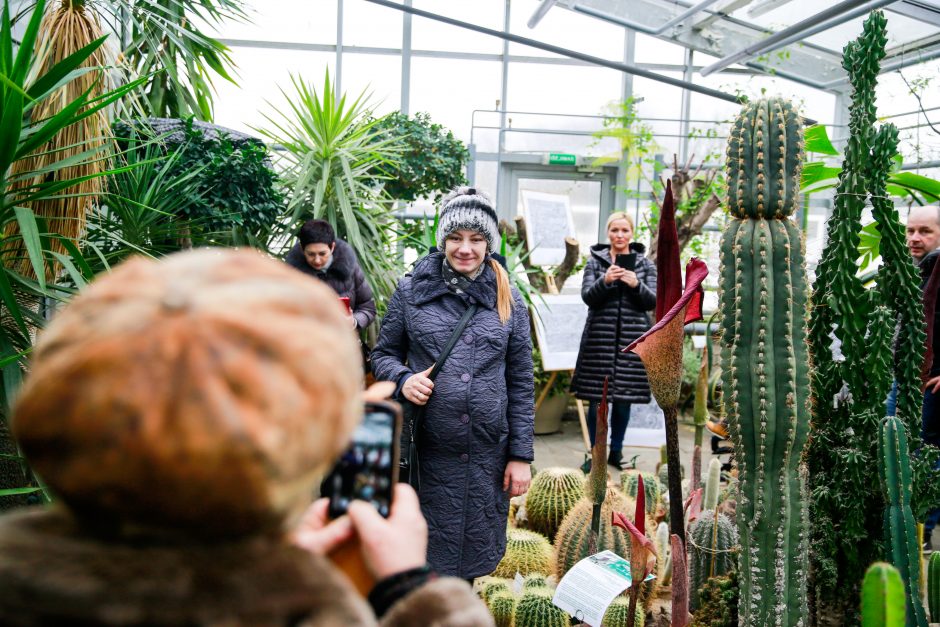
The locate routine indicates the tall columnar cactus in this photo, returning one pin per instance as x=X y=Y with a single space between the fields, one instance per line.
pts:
x=900 y=528
x=712 y=542
x=712 y=485
x=664 y=561
x=764 y=359
x=553 y=493
x=933 y=587
x=849 y=390
x=882 y=597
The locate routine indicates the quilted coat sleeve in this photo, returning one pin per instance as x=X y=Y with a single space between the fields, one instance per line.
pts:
x=520 y=385
x=593 y=289
x=391 y=350
x=365 y=302
x=644 y=294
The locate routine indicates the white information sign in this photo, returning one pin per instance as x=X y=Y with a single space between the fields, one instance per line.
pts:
x=548 y=221
x=647 y=427
x=591 y=585
x=559 y=321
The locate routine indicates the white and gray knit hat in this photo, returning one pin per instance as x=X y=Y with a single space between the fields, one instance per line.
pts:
x=471 y=209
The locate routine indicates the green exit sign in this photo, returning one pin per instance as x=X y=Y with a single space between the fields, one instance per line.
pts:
x=561 y=158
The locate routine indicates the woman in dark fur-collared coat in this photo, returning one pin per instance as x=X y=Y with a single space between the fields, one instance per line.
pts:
x=617 y=301
x=476 y=439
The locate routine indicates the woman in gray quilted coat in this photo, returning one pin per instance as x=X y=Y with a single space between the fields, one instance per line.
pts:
x=617 y=301
x=476 y=439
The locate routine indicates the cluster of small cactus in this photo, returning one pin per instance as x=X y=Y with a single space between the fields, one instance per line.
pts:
x=526 y=552
x=550 y=497
x=883 y=597
x=713 y=541
x=900 y=528
x=764 y=360
x=651 y=488
x=718 y=603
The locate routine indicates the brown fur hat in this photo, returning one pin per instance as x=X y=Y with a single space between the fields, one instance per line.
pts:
x=203 y=393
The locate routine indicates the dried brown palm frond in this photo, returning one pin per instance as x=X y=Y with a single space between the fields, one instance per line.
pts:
x=67 y=27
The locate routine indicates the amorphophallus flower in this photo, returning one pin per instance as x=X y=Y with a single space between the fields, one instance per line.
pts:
x=660 y=348
x=642 y=549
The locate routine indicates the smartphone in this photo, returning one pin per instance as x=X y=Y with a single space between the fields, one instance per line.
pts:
x=345 y=301
x=368 y=470
x=627 y=261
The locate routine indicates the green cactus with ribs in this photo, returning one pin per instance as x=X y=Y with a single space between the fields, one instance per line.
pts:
x=713 y=541
x=764 y=360
x=882 y=597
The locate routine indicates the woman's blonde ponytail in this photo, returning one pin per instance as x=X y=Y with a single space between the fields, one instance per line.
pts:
x=503 y=292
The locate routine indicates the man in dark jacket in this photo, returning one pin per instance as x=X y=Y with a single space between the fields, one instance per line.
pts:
x=333 y=261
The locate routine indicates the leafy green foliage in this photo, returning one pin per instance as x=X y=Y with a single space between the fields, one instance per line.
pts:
x=332 y=150
x=431 y=161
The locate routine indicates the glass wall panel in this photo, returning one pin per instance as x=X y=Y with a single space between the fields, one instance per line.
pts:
x=378 y=74
x=261 y=75
x=566 y=29
x=562 y=88
x=301 y=21
x=450 y=89
x=367 y=24
x=652 y=50
x=432 y=35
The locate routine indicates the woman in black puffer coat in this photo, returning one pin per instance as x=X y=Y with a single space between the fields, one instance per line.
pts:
x=617 y=301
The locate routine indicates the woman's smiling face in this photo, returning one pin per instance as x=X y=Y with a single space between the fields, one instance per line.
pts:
x=465 y=250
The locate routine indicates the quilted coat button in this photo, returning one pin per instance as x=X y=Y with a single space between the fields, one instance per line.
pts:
x=468 y=339
x=464 y=457
x=465 y=377
x=465 y=418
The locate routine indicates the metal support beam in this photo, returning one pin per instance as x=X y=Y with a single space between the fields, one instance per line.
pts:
x=686 y=111
x=824 y=20
x=643 y=28
x=503 y=106
x=406 y=61
x=525 y=41
x=338 y=79
x=540 y=13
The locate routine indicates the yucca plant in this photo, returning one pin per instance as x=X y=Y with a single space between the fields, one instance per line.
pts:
x=25 y=86
x=331 y=151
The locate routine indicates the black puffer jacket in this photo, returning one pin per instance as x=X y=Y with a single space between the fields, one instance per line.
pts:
x=605 y=336
x=345 y=277
x=480 y=415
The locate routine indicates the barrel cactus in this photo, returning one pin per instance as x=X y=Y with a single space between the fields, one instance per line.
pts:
x=503 y=608
x=900 y=528
x=618 y=611
x=882 y=597
x=651 y=488
x=573 y=541
x=553 y=493
x=535 y=609
x=712 y=542
x=933 y=587
x=764 y=360
x=493 y=586
x=535 y=581
x=526 y=552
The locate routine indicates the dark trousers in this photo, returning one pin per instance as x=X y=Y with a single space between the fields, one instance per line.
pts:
x=620 y=418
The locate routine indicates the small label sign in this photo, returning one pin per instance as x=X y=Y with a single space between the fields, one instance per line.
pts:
x=561 y=158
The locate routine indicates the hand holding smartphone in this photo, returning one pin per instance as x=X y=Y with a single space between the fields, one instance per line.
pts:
x=626 y=261
x=368 y=470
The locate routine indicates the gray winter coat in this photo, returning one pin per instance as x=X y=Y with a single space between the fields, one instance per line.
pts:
x=605 y=335
x=480 y=415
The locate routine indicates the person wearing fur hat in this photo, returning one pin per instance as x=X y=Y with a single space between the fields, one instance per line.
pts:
x=476 y=440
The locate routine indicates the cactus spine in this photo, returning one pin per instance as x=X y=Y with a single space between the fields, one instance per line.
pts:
x=764 y=360
x=933 y=587
x=712 y=542
x=550 y=497
x=712 y=485
x=882 y=597
x=900 y=528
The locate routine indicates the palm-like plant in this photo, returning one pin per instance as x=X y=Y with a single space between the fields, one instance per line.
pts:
x=330 y=150
x=24 y=87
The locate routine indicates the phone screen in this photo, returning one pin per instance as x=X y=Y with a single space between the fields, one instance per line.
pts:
x=627 y=262
x=368 y=469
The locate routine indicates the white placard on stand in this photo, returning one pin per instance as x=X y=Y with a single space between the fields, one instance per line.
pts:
x=647 y=427
x=559 y=321
x=591 y=585
x=548 y=221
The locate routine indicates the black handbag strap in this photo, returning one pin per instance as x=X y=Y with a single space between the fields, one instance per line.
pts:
x=461 y=325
